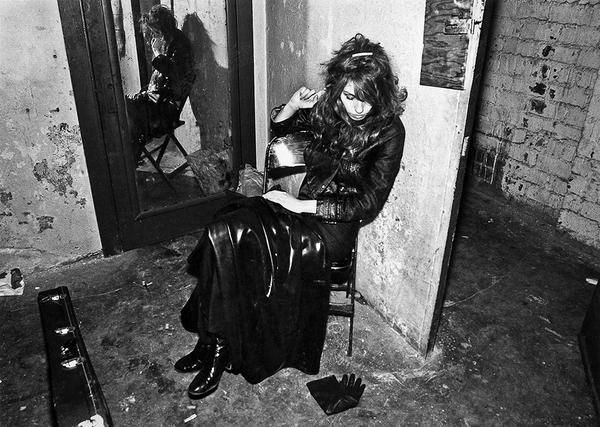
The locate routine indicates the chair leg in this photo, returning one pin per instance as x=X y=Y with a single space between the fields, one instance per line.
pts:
x=182 y=150
x=352 y=291
x=179 y=169
x=157 y=167
x=163 y=148
x=351 y=333
x=178 y=144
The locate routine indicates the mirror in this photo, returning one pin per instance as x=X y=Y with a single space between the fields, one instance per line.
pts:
x=184 y=151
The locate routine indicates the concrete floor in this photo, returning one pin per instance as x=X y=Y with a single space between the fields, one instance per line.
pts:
x=506 y=353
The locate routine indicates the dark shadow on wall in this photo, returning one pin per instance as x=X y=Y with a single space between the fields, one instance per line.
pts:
x=209 y=98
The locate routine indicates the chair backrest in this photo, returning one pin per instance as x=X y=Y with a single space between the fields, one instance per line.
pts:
x=284 y=162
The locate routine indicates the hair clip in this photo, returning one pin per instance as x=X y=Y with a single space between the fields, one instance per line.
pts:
x=362 y=54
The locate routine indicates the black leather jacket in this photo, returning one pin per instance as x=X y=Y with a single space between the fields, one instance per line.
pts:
x=355 y=185
x=173 y=71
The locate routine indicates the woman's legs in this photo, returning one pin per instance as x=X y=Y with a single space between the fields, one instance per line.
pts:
x=138 y=121
x=210 y=355
x=338 y=238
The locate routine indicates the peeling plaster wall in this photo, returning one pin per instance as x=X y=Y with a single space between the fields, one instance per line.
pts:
x=46 y=210
x=540 y=109
x=400 y=254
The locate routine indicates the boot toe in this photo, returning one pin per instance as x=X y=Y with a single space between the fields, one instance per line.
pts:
x=195 y=360
x=204 y=384
x=188 y=364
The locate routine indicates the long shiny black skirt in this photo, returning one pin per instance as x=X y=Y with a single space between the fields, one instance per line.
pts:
x=270 y=321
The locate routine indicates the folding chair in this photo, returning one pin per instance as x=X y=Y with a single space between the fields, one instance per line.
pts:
x=285 y=168
x=167 y=134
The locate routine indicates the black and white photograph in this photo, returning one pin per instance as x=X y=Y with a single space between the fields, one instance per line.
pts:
x=299 y=213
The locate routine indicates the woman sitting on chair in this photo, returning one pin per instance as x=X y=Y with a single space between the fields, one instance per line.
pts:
x=153 y=109
x=260 y=304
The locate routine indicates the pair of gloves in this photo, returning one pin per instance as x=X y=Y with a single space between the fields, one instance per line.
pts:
x=333 y=396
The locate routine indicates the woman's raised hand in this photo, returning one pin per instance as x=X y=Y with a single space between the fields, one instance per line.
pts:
x=304 y=98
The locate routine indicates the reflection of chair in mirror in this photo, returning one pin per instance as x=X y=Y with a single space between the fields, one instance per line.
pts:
x=166 y=134
x=285 y=169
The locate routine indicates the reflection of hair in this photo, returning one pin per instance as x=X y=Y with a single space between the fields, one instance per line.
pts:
x=365 y=64
x=160 y=18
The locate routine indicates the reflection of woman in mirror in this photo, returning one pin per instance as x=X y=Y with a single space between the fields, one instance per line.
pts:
x=154 y=108
x=258 y=306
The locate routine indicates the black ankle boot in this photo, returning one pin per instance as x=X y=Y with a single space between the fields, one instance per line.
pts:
x=210 y=374
x=196 y=359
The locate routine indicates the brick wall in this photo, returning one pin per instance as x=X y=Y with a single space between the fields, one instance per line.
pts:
x=540 y=109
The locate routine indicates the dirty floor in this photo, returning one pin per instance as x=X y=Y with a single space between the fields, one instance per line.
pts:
x=506 y=352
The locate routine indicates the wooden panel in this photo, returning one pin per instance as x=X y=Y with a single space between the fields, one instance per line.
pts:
x=92 y=133
x=241 y=65
x=445 y=43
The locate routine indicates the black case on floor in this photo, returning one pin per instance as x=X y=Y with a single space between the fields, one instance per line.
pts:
x=589 y=345
x=77 y=398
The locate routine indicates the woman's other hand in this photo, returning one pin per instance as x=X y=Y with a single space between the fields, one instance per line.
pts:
x=290 y=202
x=158 y=46
x=302 y=98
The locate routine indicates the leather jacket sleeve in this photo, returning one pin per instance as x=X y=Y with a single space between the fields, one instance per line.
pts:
x=374 y=168
x=298 y=122
x=177 y=60
x=378 y=168
x=176 y=65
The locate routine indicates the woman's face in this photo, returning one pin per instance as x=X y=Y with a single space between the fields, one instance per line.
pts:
x=356 y=109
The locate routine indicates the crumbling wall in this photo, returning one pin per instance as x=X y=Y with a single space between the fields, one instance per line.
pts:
x=539 y=109
x=46 y=210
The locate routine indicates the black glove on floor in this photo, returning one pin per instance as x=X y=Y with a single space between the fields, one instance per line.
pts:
x=333 y=396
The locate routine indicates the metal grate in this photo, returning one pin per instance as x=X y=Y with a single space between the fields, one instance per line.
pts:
x=483 y=164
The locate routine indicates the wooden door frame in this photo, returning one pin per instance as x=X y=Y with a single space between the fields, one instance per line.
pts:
x=475 y=60
x=102 y=118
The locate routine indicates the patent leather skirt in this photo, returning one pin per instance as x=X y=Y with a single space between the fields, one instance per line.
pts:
x=262 y=285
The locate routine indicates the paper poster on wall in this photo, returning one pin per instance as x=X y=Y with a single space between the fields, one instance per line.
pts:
x=445 y=43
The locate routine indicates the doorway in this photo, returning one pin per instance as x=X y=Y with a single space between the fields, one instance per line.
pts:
x=156 y=186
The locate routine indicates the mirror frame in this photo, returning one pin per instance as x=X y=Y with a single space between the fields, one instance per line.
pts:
x=88 y=31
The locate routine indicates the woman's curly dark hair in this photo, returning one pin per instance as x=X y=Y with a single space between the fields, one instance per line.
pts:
x=160 y=18
x=374 y=82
